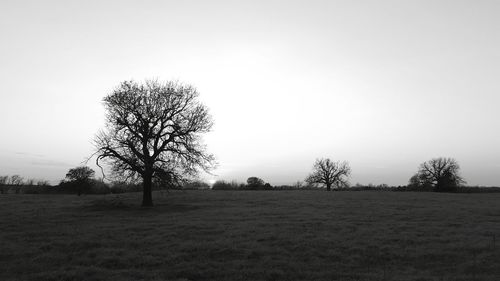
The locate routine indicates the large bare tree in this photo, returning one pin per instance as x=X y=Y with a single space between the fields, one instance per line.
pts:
x=441 y=173
x=153 y=131
x=329 y=173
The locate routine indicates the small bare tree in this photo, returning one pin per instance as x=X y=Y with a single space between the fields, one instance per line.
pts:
x=153 y=131
x=329 y=173
x=16 y=180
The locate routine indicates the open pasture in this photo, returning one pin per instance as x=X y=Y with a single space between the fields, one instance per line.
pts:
x=251 y=235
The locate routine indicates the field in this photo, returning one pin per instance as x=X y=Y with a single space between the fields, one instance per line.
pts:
x=251 y=235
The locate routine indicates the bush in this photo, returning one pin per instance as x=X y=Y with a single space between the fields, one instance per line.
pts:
x=33 y=189
x=123 y=187
x=98 y=187
x=91 y=187
x=195 y=185
x=255 y=183
x=224 y=185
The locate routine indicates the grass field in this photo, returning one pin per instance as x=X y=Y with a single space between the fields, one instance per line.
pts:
x=251 y=235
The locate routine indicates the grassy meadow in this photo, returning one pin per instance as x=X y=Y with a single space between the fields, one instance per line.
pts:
x=251 y=235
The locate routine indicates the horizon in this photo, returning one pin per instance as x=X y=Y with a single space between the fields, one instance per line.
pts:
x=383 y=85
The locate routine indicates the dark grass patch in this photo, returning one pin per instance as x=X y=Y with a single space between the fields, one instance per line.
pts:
x=224 y=235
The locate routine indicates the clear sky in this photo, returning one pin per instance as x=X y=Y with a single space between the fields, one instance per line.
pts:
x=385 y=85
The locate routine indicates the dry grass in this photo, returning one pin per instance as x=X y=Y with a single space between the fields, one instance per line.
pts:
x=251 y=235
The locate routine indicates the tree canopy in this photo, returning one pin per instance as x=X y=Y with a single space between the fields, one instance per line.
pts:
x=79 y=179
x=255 y=182
x=80 y=174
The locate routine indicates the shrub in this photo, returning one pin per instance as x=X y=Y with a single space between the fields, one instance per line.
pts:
x=98 y=187
x=195 y=185
x=124 y=186
x=255 y=183
x=224 y=185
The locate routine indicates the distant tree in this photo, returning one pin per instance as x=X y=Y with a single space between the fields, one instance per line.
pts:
x=414 y=181
x=80 y=178
x=42 y=183
x=80 y=174
x=153 y=131
x=224 y=185
x=220 y=185
x=417 y=182
x=196 y=184
x=449 y=182
x=440 y=173
x=16 y=180
x=255 y=183
x=4 y=180
x=329 y=173
x=298 y=184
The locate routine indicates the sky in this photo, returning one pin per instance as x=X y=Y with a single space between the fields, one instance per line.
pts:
x=384 y=85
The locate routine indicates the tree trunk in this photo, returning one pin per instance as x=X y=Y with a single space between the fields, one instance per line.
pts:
x=147 y=196
x=328 y=186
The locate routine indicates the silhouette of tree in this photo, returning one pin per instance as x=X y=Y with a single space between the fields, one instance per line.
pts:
x=268 y=186
x=255 y=183
x=224 y=185
x=298 y=184
x=416 y=182
x=329 y=173
x=4 y=180
x=80 y=178
x=16 y=180
x=153 y=132
x=80 y=174
x=440 y=173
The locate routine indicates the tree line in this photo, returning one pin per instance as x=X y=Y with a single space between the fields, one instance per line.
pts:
x=19 y=180
x=18 y=184
x=152 y=139
x=438 y=174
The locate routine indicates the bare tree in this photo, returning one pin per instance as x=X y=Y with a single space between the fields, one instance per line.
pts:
x=153 y=131
x=329 y=173
x=16 y=180
x=441 y=173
